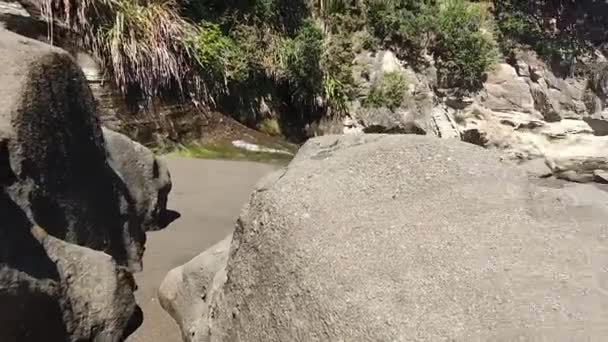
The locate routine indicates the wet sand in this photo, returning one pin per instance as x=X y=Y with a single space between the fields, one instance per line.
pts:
x=209 y=195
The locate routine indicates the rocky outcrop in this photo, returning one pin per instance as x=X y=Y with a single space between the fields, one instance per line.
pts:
x=421 y=111
x=73 y=228
x=504 y=91
x=523 y=108
x=384 y=120
x=395 y=238
x=529 y=112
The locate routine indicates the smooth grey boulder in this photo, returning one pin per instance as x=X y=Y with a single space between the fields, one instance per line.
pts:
x=186 y=292
x=403 y=238
x=73 y=225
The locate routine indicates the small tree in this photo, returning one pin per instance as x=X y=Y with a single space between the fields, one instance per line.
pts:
x=464 y=52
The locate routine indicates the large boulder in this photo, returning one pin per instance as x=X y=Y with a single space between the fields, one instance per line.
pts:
x=183 y=293
x=505 y=91
x=73 y=227
x=402 y=238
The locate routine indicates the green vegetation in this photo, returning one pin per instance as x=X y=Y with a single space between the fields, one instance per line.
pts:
x=518 y=25
x=388 y=92
x=299 y=58
x=269 y=126
x=230 y=152
x=406 y=26
x=464 y=52
x=142 y=46
x=452 y=30
x=218 y=54
x=228 y=53
x=561 y=31
x=298 y=54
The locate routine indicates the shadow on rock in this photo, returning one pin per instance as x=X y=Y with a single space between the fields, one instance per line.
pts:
x=136 y=320
x=167 y=217
x=76 y=201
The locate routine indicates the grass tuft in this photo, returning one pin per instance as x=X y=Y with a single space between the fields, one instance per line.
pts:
x=143 y=44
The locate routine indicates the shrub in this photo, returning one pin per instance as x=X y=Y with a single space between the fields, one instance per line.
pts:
x=217 y=54
x=363 y=40
x=452 y=29
x=303 y=57
x=140 y=43
x=337 y=60
x=403 y=25
x=335 y=93
x=462 y=50
x=388 y=92
x=559 y=31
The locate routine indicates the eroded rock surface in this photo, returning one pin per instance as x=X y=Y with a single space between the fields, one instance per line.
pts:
x=397 y=238
x=146 y=177
x=419 y=113
x=73 y=227
x=523 y=108
x=529 y=112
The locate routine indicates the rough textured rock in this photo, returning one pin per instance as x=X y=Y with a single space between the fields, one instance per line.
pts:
x=537 y=168
x=56 y=146
x=569 y=146
x=524 y=108
x=555 y=97
x=444 y=123
x=506 y=91
x=528 y=111
x=146 y=177
x=70 y=280
x=601 y=176
x=584 y=158
x=599 y=123
x=399 y=238
x=420 y=112
x=12 y=8
x=384 y=120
